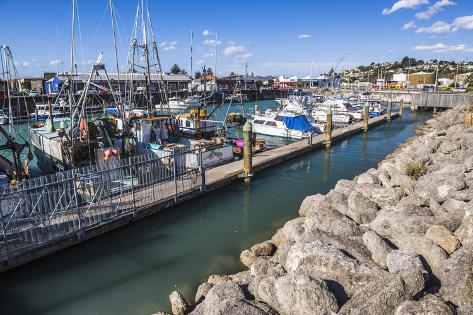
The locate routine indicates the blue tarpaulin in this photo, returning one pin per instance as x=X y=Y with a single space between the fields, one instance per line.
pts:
x=298 y=123
x=52 y=85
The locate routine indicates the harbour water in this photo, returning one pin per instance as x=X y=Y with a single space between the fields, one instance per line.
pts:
x=132 y=270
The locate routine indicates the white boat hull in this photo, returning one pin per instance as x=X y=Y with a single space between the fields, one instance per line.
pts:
x=278 y=132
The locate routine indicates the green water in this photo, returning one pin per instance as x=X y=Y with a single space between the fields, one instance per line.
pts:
x=132 y=270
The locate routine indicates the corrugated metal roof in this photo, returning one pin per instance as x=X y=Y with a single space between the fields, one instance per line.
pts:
x=136 y=77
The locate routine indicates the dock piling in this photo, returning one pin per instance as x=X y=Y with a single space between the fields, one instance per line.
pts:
x=51 y=119
x=328 y=129
x=366 y=117
x=401 y=107
x=390 y=108
x=247 y=151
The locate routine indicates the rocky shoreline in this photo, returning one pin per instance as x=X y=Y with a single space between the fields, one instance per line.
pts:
x=395 y=240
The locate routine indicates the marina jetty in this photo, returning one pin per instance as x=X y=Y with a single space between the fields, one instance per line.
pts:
x=394 y=240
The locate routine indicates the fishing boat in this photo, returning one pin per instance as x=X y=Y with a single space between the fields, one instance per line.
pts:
x=42 y=112
x=282 y=124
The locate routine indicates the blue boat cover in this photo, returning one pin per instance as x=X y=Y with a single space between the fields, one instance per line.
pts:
x=298 y=123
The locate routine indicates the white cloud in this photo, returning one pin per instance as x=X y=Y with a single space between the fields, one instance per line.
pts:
x=26 y=64
x=206 y=33
x=163 y=44
x=434 y=9
x=208 y=55
x=404 y=4
x=211 y=42
x=232 y=50
x=437 y=27
x=465 y=22
x=55 y=62
x=173 y=43
x=442 y=48
x=199 y=62
x=87 y=62
x=409 y=25
x=304 y=36
x=168 y=48
x=462 y=22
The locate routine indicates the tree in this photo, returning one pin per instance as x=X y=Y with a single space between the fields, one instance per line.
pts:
x=232 y=74
x=175 y=69
x=198 y=75
x=209 y=71
x=270 y=82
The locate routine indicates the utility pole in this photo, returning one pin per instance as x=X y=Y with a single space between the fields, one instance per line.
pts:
x=246 y=74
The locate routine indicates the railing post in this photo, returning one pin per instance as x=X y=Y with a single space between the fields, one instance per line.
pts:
x=202 y=170
x=174 y=167
x=366 y=117
x=248 y=150
x=5 y=239
x=328 y=128
x=76 y=201
x=132 y=175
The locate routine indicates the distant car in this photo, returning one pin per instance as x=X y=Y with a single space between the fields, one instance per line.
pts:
x=459 y=91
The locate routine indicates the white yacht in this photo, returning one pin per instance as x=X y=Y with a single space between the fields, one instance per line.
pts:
x=176 y=104
x=193 y=100
x=282 y=124
x=343 y=112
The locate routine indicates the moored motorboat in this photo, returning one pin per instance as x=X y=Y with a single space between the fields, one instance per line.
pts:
x=282 y=124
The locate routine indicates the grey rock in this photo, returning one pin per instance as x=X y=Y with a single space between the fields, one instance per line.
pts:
x=455 y=208
x=312 y=203
x=297 y=294
x=247 y=257
x=368 y=177
x=345 y=186
x=291 y=231
x=465 y=232
x=377 y=247
x=456 y=277
x=242 y=278
x=434 y=255
x=322 y=261
x=202 y=291
x=378 y=297
x=384 y=179
x=266 y=267
x=409 y=267
x=360 y=209
x=179 y=305
x=263 y=249
x=429 y=305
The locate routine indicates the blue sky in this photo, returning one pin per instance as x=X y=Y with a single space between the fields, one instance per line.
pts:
x=273 y=37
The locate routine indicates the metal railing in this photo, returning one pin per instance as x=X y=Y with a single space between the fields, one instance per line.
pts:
x=46 y=209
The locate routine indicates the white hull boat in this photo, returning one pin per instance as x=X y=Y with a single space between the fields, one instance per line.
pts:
x=283 y=124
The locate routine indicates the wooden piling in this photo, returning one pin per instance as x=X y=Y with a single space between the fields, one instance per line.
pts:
x=401 y=107
x=328 y=129
x=390 y=109
x=247 y=150
x=51 y=118
x=366 y=117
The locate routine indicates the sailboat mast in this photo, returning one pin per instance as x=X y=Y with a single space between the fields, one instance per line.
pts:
x=192 y=63
x=112 y=15
x=8 y=79
x=71 y=96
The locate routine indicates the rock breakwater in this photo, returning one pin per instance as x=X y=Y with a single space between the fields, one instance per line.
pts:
x=395 y=240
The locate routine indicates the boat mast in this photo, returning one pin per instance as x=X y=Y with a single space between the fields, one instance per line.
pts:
x=146 y=56
x=7 y=75
x=112 y=15
x=71 y=96
x=192 y=63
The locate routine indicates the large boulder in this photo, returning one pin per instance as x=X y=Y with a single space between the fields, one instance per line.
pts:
x=263 y=249
x=322 y=261
x=247 y=257
x=360 y=209
x=456 y=277
x=291 y=231
x=312 y=203
x=179 y=305
x=377 y=247
x=434 y=255
x=465 y=232
x=295 y=294
x=228 y=297
x=332 y=221
x=378 y=297
x=443 y=238
x=429 y=305
x=409 y=267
